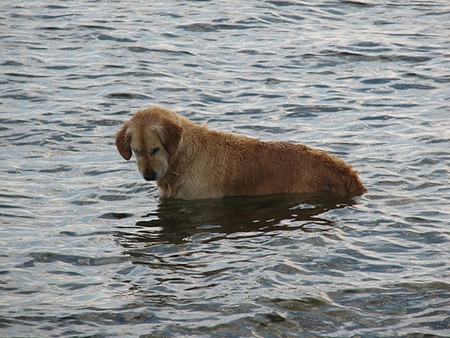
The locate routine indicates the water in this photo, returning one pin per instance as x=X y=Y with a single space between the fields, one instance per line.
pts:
x=88 y=249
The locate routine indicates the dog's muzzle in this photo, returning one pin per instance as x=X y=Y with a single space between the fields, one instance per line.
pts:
x=150 y=175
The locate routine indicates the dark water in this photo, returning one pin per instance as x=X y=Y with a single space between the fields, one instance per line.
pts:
x=88 y=249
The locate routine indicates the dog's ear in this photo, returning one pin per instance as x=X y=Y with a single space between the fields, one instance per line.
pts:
x=123 y=142
x=171 y=138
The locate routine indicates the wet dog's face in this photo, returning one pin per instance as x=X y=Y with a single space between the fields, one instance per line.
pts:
x=152 y=142
x=151 y=156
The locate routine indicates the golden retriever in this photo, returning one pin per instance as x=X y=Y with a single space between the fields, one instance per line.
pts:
x=190 y=161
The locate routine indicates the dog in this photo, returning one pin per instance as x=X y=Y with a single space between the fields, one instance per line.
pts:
x=190 y=161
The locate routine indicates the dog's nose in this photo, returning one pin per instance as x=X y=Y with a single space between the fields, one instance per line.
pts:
x=149 y=175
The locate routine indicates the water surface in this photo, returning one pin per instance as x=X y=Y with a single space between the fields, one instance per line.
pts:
x=87 y=247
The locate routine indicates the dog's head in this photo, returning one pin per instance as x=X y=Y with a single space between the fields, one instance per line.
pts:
x=153 y=136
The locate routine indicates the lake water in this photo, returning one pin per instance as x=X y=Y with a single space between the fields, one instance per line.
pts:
x=89 y=250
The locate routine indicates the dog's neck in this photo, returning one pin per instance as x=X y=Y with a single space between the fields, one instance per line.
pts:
x=179 y=165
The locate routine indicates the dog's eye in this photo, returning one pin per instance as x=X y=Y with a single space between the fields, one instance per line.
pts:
x=155 y=150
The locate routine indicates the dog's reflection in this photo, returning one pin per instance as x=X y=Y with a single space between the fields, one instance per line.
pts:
x=176 y=220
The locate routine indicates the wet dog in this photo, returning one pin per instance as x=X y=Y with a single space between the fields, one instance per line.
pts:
x=190 y=161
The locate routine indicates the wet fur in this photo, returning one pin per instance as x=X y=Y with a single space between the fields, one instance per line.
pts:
x=189 y=161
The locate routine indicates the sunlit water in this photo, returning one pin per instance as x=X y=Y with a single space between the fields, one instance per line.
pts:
x=87 y=247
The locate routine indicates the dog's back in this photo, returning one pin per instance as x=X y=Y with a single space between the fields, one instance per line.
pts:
x=280 y=167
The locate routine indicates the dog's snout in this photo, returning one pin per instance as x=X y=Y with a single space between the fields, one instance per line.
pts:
x=149 y=175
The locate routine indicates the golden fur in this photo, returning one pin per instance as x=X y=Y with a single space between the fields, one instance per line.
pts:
x=189 y=161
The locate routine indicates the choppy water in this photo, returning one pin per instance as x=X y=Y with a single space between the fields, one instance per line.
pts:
x=88 y=249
